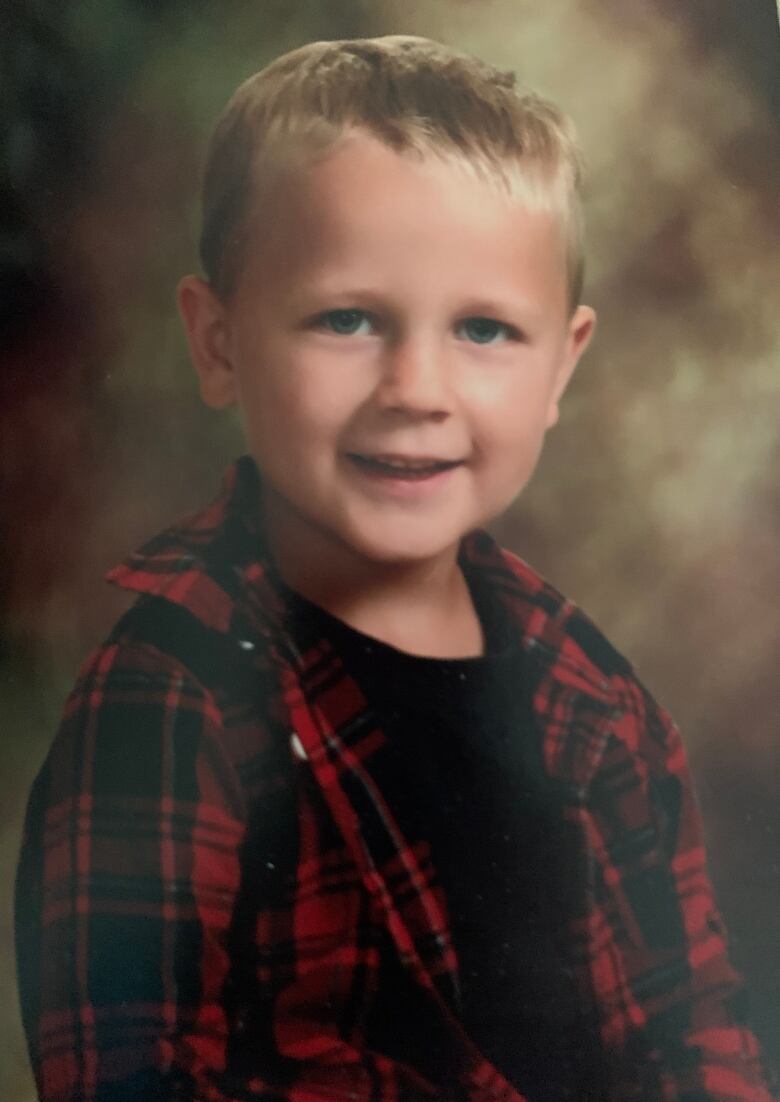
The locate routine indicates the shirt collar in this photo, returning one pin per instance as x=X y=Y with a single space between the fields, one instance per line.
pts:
x=216 y=563
x=209 y=561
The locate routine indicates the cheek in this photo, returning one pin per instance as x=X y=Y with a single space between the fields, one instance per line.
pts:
x=295 y=418
x=509 y=446
x=512 y=425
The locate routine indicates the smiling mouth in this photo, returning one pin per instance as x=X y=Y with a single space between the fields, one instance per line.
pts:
x=405 y=467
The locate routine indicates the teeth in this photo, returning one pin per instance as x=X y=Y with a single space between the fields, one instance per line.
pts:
x=405 y=464
x=411 y=468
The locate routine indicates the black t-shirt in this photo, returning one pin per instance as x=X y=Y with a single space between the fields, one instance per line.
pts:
x=463 y=769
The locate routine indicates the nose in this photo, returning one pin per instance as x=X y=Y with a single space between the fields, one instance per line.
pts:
x=414 y=379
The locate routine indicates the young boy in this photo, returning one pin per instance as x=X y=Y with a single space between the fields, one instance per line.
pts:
x=352 y=804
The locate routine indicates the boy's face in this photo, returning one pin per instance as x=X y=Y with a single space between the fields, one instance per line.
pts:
x=398 y=341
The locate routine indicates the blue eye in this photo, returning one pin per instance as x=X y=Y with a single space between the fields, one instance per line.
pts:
x=345 y=323
x=484 y=330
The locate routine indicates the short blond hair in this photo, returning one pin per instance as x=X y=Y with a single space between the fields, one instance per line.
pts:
x=413 y=94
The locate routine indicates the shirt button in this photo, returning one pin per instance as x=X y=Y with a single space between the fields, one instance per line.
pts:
x=297 y=747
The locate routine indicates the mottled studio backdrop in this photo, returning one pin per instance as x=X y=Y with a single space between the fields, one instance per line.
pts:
x=657 y=504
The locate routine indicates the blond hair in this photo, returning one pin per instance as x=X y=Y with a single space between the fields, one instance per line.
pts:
x=413 y=94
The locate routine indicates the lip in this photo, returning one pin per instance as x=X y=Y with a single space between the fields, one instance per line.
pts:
x=413 y=476
x=402 y=459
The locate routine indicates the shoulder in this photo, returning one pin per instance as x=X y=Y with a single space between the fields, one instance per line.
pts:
x=162 y=677
x=160 y=636
x=586 y=693
x=150 y=646
x=134 y=691
x=553 y=620
x=640 y=722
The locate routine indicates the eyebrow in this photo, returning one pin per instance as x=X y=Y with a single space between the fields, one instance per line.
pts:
x=471 y=305
x=501 y=308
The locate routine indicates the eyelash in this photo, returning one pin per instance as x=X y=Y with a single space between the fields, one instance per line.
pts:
x=325 y=321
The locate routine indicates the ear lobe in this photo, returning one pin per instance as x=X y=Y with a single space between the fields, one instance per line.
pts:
x=205 y=325
x=580 y=331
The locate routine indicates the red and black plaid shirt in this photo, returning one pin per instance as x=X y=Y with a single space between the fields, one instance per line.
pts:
x=211 y=874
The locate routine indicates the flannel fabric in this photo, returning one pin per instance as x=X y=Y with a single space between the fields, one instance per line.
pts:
x=211 y=876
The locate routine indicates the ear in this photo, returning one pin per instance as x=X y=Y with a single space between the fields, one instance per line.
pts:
x=580 y=329
x=206 y=326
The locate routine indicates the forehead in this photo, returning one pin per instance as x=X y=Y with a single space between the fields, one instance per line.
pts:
x=366 y=212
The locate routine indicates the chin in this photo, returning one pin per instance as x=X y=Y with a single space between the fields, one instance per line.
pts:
x=402 y=552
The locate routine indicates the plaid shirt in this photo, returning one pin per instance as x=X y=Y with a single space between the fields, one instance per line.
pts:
x=211 y=874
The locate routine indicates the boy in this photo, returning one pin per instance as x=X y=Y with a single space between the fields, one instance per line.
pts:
x=352 y=804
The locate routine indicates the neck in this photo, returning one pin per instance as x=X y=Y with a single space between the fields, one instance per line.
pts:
x=423 y=607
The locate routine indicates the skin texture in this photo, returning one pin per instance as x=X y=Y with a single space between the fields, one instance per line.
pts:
x=390 y=308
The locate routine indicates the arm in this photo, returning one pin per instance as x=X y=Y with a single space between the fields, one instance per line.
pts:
x=691 y=1003
x=127 y=885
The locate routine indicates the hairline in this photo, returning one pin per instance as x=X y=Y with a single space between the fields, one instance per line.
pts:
x=509 y=177
x=272 y=125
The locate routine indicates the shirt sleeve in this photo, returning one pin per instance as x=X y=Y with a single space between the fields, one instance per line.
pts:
x=127 y=881
x=692 y=1002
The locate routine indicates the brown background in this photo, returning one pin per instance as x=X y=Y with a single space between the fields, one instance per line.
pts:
x=657 y=504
